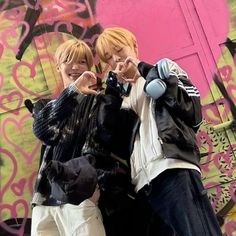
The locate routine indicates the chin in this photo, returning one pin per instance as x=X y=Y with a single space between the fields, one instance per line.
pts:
x=72 y=80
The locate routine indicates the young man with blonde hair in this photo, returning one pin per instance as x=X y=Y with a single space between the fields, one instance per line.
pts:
x=59 y=208
x=165 y=159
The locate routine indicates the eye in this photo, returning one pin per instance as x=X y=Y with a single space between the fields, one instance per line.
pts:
x=83 y=61
x=108 y=57
x=119 y=49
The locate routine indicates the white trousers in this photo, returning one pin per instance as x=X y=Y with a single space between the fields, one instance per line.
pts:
x=67 y=220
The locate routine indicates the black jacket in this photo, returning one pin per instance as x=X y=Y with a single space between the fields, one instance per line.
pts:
x=178 y=115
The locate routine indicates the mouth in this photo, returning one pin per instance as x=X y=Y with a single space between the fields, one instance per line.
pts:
x=74 y=76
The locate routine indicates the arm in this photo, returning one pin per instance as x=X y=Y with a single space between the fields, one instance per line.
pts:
x=117 y=127
x=181 y=97
x=49 y=119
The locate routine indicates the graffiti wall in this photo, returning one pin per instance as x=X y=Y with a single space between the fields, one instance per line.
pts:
x=199 y=34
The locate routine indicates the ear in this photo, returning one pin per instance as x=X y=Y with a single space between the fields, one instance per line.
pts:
x=136 y=48
x=58 y=67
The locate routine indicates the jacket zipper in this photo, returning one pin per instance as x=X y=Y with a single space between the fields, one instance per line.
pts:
x=159 y=138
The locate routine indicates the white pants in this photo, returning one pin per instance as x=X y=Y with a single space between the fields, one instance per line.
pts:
x=67 y=220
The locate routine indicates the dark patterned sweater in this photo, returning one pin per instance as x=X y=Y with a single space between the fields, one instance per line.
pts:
x=67 y=128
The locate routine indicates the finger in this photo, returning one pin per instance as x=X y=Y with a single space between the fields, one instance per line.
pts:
x=119 y=67
x=129 y=80
x=132 y=60
x=97 y=86
x=128 y=60
x=91 y=91
x=92 y=86
x=89 y=75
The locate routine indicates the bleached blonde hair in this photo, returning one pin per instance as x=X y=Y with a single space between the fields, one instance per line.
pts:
x=73 y=50
x=114 y=37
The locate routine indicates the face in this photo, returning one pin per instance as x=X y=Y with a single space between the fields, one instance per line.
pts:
x=118 y=55
x=72 y=71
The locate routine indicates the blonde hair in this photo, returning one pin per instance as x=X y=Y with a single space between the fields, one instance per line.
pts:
x=73 y=50
x=114 y=36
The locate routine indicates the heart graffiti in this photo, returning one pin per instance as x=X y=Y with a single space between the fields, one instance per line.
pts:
x=26 y=80
x=4 y=153
x=15 y=98
x=19 y=144
x=11 y=33
x=18 y=187
x=12 y=210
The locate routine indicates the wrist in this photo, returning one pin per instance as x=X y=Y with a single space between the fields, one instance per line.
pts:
x=73 y=87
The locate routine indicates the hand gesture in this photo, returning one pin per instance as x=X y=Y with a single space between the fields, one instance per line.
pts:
x=131 y=65
x=85 y=83
x=119 y=71
x=133 y=60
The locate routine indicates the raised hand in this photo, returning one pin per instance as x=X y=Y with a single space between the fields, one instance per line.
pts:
x=119 y=71
x=86 y=82
x=131 y=67
x=133 y=60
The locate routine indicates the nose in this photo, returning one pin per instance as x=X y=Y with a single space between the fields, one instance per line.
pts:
x=116 y=58
x=75 y=66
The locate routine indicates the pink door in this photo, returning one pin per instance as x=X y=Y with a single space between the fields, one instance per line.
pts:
x=194 y=34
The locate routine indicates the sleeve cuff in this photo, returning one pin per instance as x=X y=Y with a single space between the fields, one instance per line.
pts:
x=72 y=88
x=144 y=68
